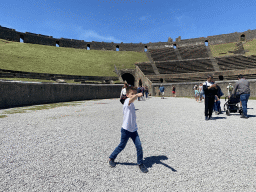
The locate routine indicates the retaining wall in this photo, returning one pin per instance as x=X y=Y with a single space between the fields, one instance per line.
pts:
x=186 y=89
x=15 y=94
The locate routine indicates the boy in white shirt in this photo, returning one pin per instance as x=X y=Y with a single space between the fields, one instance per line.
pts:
x=129 y=129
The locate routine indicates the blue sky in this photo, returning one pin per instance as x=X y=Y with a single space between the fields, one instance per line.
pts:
x=128 y=20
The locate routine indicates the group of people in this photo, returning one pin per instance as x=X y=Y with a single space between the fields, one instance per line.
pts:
x=129 y=126
x=199 y=92
x=144 y=91
x=161 y=91
x=213 y=93
x=140 y=89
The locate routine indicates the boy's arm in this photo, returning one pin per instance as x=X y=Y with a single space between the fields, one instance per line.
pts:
x=134 y=97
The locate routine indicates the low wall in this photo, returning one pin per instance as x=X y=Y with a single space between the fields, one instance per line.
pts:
x=186 y=89
x=14 y=94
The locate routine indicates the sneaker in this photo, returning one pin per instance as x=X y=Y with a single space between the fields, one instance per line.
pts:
x=244 y=117
x=143 y=168
x=206 y=118
x=112 y=163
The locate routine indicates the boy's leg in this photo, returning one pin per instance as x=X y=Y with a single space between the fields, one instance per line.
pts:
x=124 y=138
x=136 y=140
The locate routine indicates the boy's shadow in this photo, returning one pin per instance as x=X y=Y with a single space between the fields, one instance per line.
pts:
x=150 y=161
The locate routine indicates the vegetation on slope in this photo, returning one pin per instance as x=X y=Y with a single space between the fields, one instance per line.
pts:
x=222 y=49
x=59 y=60
x=251 y=47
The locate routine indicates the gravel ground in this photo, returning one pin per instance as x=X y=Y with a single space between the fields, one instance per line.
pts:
x=67 y=148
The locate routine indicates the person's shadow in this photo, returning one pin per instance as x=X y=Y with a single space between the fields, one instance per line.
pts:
x=150 y=161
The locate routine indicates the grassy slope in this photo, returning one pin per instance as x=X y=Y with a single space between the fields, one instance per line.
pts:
x=222 y=48
x=70 y=61
x=251 y=47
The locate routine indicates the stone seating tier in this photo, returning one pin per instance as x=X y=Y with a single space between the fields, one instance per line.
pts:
x=199 y=78
x=163 y=54
x=186 y=66
x=193 y=52
x=236 y=62
x=146 y=68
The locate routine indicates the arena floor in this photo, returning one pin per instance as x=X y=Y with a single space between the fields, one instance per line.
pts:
x=67 y=148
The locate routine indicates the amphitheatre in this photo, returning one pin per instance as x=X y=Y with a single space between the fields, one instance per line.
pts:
x=61 y=115
x=180 y=62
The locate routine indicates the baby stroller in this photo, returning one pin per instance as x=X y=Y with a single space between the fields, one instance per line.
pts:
x=231 y=106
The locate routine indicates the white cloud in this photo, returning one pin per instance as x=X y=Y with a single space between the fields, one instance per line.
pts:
x=80 y=33
x=91 y=35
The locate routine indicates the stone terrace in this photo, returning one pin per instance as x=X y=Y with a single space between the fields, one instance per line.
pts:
x=67 y=148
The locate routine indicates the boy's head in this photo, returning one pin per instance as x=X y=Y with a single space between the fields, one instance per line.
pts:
x=130 y=91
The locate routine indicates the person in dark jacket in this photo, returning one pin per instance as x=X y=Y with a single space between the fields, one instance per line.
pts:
x=210 y=90
x=217 y=107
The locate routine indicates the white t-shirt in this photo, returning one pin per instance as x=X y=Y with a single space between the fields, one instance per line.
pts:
x=208 y=84
x=123 y=92
x=129 y=119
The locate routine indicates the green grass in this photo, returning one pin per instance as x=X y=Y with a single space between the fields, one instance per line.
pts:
x=251 y=47
x=51 y=81
x=37 y=108
x=218 y=50
x=59 y=60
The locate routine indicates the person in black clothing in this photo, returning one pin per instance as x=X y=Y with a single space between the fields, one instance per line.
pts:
x=210 y=90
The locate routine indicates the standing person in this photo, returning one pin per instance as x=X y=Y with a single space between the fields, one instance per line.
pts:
x=201 y=92
x=173 y=91
x=161 y=89
x=195 y=87
x=197 y=94
x=143 y=93
x=210 y=90
x=123 y=94
x=242 y=86
x=146 y=91
x=139 y=91
x=230 y=89
x=217 y=107
x=129 y=130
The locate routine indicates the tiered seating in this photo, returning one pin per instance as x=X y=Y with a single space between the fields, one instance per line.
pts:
x=185 y=66
x=236 y=62
x=183 y=79
x=193 y=52
x=146 y=68
x=234 y=77
x=163 y=54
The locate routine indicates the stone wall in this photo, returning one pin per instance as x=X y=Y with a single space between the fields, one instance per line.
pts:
x=14 y=94
x=186 y=89
x=38 y=39
x=139 y=75
x=9 y=34
x=12 y=35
